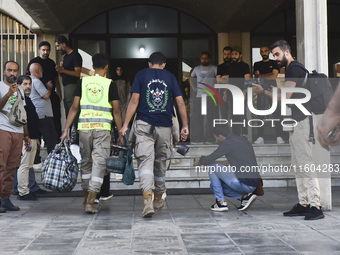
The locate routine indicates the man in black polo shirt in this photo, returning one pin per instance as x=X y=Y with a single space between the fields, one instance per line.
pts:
x=267 y=70
x=238 y=72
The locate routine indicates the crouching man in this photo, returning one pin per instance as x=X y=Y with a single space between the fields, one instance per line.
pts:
x=98 y=99
x=234 y=180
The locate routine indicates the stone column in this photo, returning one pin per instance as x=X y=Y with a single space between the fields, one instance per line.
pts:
x=311 y=35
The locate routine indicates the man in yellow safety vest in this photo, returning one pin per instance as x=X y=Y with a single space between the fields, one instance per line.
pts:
x=98 y=99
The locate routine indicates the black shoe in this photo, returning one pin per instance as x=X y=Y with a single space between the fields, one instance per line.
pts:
x=217 y=207
x=39 y=192
x=314 y=214
x=247 y=201
x=297 y=210
x=2 y=209
x=7 y=204
x=28 y=196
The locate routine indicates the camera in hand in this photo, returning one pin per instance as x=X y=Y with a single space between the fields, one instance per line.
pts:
x=249 y=83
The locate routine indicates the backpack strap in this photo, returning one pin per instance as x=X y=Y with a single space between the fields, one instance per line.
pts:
x=311 y=138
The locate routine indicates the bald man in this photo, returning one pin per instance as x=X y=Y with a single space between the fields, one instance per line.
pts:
x=40 y=96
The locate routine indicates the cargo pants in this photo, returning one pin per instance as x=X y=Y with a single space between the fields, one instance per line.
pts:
x=94 y=149
x=152 y=151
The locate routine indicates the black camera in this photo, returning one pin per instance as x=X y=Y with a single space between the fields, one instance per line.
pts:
x=249 y=83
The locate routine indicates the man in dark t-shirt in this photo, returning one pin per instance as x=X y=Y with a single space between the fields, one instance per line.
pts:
x=307 y=183
x=239 y=177
x=152 y=92
x=49 y=75
x=239 y=71
x=266 y=71
x=69 y=69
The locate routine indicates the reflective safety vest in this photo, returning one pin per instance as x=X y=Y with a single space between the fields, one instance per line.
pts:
x=95 y=108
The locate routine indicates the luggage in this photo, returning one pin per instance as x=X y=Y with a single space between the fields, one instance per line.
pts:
x=60 y=169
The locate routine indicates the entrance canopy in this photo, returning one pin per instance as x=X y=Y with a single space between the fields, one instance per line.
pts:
x=63 y=16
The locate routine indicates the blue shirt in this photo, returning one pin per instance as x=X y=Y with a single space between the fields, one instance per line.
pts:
x=156 y=88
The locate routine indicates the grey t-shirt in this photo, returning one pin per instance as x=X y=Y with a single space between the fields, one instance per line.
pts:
x=204 y=75
x=4 y=121
x=42 y=106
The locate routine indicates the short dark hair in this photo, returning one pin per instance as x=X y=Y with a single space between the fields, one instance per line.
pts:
x=228 y=48
x=62 y=39
x=44 y=43
x=157 y=58
x=10 y=61
x=237 y=49
x=205 y=53
x=100 y=60
x=282 y=44
x=221 y=130
x=21 y=78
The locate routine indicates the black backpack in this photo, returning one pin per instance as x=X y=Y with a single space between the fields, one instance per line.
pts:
x=321 y=94
x=320 y=89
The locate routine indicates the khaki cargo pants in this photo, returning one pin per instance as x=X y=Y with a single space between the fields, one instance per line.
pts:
x=94 y=149
x=152 y=152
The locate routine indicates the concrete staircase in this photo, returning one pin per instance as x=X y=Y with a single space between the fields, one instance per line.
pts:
x=274 y=162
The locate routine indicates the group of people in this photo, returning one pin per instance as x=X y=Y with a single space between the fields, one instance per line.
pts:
x=233 y=71
x=41 y=92
x=149 y=105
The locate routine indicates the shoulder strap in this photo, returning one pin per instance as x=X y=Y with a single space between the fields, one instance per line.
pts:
x=311 y=138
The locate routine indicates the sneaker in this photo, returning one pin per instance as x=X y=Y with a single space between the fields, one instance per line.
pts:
x=2 y=209
x=247 y=201
x=259 y=140
x=39 y=192
x=314 y=214
x=7 y=204
x=217 y=207
x=96 y=201
x=279 y=140
x=104 y=198
x=297 y=210
x=28 y=196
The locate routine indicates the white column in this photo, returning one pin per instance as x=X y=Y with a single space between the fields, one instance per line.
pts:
x=312 y=51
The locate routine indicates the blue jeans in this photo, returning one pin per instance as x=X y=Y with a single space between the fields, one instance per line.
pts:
x=32 y=184
x=225 y=183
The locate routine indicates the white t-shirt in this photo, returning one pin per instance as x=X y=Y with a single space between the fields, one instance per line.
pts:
x=204 y=75
x=4 y=121
x=42 y=106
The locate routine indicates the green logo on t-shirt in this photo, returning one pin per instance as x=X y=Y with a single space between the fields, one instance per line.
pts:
x=157 y=98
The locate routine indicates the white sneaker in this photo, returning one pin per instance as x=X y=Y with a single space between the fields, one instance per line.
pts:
x=259 y=140
x=279 y=140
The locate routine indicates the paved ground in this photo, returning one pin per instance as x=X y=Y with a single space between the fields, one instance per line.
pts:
x=57 y=225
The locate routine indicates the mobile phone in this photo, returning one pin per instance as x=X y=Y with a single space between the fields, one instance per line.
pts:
x=332 y=134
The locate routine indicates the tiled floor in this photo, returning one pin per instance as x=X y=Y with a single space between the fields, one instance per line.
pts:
x=58 y=225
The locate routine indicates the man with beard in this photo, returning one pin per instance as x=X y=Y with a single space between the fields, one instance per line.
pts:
x=201 y=78
x=69 y=69
x=25 y=182
x=222 y=69
x=11 y=136
x=49 y=75
x=301 y=149
x=222 y=77
x=238 y=72
x=266 y=71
